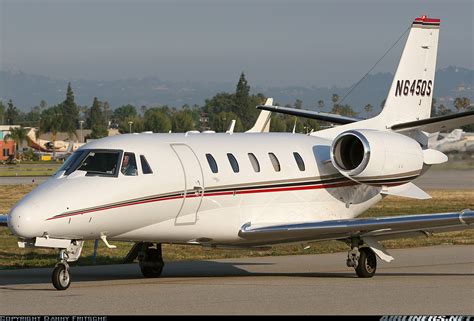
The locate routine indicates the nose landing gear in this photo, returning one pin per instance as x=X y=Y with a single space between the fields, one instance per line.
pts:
x=61 y=277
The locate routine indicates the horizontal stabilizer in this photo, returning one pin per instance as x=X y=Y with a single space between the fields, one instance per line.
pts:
x=332 y=118
x=409 y=190
x=436 y=124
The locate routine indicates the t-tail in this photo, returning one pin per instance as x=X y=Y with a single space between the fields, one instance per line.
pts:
x=408 y=105
x=410 y=95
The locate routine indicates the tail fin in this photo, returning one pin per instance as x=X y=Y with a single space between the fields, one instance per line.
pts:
x=410 y=95
x=262 y=125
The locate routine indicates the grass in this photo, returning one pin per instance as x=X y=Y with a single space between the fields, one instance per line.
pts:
x=29 y=169
x=443 y=200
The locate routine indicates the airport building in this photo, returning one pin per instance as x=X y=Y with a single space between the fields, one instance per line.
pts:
x=7 y=148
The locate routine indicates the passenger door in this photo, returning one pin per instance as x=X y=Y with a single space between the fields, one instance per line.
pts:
x=193 y=184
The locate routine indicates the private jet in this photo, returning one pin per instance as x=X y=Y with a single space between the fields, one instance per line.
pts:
x=255 y=189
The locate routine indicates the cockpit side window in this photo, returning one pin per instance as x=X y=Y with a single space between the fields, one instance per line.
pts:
x=146 y=169
x=129 y=165
x=97 y=163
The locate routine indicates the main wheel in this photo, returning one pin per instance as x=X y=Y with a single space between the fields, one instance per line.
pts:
x=367 y=263
x=61 y=277
x=153 y=265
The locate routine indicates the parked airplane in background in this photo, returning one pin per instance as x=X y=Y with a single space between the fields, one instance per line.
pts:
x=456 y=141
x=254 y=189
x=44 y=145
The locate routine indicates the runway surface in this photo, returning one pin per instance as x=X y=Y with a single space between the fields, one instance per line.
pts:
x=433 y=280
x=446 y=179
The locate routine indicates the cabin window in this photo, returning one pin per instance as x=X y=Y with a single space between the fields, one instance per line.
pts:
x=233 y=163
x=299 y=161
x=275 y=162
x=212 y=163
x=146 y=169
x=129 y=165
x=254 y=162
x=95 y=163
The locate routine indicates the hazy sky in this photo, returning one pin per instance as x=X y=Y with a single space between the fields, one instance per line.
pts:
x=283 y=42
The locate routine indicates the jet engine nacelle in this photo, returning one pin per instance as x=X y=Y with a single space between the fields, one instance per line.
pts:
x=377 y=158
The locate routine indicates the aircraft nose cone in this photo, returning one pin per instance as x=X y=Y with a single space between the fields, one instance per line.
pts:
x=21 y=223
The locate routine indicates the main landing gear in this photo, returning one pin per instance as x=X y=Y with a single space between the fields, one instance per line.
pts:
x=150 y=260
x=362 y=259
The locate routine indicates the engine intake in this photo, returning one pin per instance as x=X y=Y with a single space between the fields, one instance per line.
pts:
x=376 y=157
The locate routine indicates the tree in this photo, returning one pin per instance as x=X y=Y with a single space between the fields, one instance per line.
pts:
x=107 y=113
x=97 y=120
x=2 y=113
x=298 y=104
x=344 y=110
x=70 y=113
x=278 y=124
x=11 y=114
x=368 y=109
x=51 y=121
x=157 y=120
x=321 y=104
x=242 y=92
x=123 y=115
x=182 y=121
x=335 y=99
x=222 y=121
x=462 y=103
x=18 y=135
x=442 y=110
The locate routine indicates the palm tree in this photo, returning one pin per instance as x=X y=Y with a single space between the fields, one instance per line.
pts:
x=51 y=121
x=368 y=109
x=18 y=135
x=462 y=103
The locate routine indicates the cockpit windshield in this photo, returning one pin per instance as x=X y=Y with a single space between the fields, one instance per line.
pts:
x=94 y=162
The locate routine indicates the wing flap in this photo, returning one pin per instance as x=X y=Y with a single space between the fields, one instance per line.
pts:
x=378 y=227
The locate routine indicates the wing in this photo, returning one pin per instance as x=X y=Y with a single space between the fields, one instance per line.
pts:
x=436 y=124
x=378 y=228
x=332 y=118
x=3 y=220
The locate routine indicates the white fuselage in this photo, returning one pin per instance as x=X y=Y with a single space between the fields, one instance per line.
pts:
x=183 y=201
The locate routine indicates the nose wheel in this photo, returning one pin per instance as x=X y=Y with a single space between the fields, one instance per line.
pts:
x=61 y=277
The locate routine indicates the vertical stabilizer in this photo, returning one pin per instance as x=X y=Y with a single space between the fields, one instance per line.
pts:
x=262 y=125
x=410 y=95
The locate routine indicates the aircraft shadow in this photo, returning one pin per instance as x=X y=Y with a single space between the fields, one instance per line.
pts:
x=191 y=269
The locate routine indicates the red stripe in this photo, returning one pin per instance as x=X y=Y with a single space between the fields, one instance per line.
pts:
x=277 y=189
x=426 y=19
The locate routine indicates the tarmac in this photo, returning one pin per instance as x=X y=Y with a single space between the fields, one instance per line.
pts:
x=436 y=280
